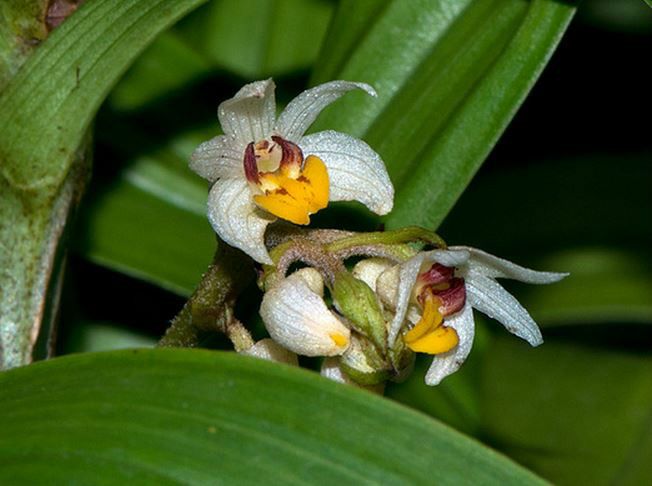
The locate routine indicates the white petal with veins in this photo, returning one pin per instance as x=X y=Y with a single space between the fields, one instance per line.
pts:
x=216 y=158
x=237 y=220
x=249 y=115
x=490 y=298
x=355 y=171
x=302 y=111
x=409 y=271
x=297 y=318
x=452 y=257
x=448 y=363
x=494 y=267
x=407 y=277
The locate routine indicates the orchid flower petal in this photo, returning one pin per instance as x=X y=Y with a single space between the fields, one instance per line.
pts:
x=249 y=115
x=237 y=220
x=453 y=257
x=494 y=267
x=355 y=171
x=302 y=111
x=297 y=318
x=217 y=158
x=448 y=363
x=407 y=277
x=271 y=351
x=490 y=298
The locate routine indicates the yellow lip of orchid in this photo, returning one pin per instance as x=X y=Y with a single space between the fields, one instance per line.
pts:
x=474 y=279
x=429 y=335
x=295 y=199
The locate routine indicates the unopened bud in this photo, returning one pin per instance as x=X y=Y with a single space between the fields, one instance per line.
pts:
x=297 y=318
x=358 y=303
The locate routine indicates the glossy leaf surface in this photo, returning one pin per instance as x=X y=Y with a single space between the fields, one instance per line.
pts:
x=193 y=416
x=450 y=77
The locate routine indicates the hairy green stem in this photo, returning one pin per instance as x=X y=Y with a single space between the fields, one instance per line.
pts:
x=210 y=307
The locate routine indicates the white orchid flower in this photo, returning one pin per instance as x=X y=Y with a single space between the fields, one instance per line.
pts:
x=433 y=295
x=297 y=318
x=264 y=168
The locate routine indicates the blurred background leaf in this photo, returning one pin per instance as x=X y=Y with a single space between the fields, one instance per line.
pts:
x=88 y=336
x=578 y=412
x=166 y=238
x=258 y=38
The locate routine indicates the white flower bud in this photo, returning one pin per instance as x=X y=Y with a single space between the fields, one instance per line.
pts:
x=297 y=318
x=369 y=270
x=387 y=287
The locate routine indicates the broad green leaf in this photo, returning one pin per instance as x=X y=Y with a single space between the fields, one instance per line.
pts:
x=197 y=417
x=450 y=76
x=350 y=25
x=45 y=111
x=577 y=414
x=256 y=38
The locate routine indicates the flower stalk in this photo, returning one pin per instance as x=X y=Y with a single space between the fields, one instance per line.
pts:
x=210 y=307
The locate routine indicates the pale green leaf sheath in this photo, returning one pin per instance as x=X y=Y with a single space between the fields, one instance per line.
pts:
x=45 y=111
